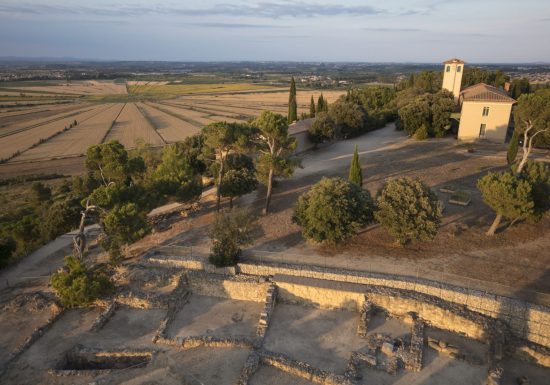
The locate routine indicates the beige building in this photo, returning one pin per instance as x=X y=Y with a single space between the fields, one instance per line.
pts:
x=300 y=131
x=484 y=110
x=452 y=76
x=485 y=113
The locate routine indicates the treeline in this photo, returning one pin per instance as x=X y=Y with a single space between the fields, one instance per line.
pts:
x=120 y=187
x=359 y=111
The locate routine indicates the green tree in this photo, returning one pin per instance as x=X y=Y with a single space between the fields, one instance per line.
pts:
x=292 y=103
x=240 y=177
x=177 y=174
x=508 y=195
x=276 y=148
x=322 y=104
x=62 y=216
x=414 y=115
x=350 y=118
x=230 y=230
x=123 y=224
x=378 y=101
x=222 y=139
x=442 y=104
x=355 y=172
x=40 y=193
x=333 y=210
x=532 y=115
x=513 y=148
x=7 y=248
x=323 y=128
x=109 y=162
x=408 y=209
x=519 y=87
x=538 y=177
x=312 y=108
x=78 y=286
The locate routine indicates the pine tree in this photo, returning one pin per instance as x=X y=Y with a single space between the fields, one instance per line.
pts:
x=355 y=173
x=312 y=108
x=513 y=148
x=292 y=104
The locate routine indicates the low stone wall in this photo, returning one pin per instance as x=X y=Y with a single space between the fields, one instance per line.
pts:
x=269 y=306
x=102 y=319
x=303 y=369
x=236 y=287
x=36 y=334
x=189 y=263
x=208 y=341
x=526 y=320
x=320 y=293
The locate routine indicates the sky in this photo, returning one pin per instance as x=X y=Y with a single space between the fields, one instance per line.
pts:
x=478 y=31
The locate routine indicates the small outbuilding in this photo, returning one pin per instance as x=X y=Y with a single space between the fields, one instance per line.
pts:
x=300 y=131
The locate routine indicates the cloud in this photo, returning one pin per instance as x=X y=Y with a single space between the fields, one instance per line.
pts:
x=382 y=29
x=266 y=9
x=235 y=25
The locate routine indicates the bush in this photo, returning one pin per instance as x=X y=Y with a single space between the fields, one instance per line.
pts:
x=421 y=133
x=350 y=118
x=333 y=210
x=323 y=128
x=7 y=248
x=408 y=209
x=77 y=286
x=230 y=231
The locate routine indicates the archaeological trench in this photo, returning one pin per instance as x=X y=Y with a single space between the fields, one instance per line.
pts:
x=179 y=320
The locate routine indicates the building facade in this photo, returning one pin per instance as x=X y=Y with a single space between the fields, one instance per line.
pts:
x=452 y=76
x=485 y=113
x=484 y=110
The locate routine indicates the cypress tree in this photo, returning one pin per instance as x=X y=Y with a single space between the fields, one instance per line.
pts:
x=320 y=103
x=355 y=173
x=312 y=108
x=292 y=104
x=513 y=148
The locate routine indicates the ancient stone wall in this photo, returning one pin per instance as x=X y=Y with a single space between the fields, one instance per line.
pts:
x=526 y=320
x=235 y=287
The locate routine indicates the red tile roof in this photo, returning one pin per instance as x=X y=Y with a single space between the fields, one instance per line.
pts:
x=453 y=61
x=482 y=92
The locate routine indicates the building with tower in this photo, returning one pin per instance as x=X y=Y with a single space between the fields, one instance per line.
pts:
x=485 y=110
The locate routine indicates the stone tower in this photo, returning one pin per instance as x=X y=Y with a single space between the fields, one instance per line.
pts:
x=452 y=76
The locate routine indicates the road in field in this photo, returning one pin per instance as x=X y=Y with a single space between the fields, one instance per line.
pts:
x=171 y=129
x=132 y=125
x=77 y=140
x=23 y=140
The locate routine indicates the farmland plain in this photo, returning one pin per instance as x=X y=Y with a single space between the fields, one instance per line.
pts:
x=154 y=112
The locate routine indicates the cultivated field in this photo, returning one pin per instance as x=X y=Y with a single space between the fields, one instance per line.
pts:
x=90 y=87
x=157 y=112
x=170 y=128
x=76 y=140
x=130 y=126
x=23 y=138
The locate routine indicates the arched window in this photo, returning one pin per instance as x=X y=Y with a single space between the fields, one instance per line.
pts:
x=458 y=68
x=448 y=68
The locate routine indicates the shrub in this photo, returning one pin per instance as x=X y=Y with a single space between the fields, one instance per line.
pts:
x=7 y=248
x=421 y=133
x=77 y=286
x=230 y=231
x=408 y=210
x=333 y=210
x=322 y=129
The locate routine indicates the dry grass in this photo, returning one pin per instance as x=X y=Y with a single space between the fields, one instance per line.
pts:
x=178 y=89
x=168 y=126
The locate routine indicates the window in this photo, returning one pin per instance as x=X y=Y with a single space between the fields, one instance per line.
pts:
x=458 y=69
x=482 y=130
x=448 y=68
x=485 y=111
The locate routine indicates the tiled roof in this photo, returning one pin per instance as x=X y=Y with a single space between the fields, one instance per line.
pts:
x=453 y=61
x=482 y=92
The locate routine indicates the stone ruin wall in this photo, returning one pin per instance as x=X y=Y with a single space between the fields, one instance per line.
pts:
x=234 y=287
x=527 y=321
